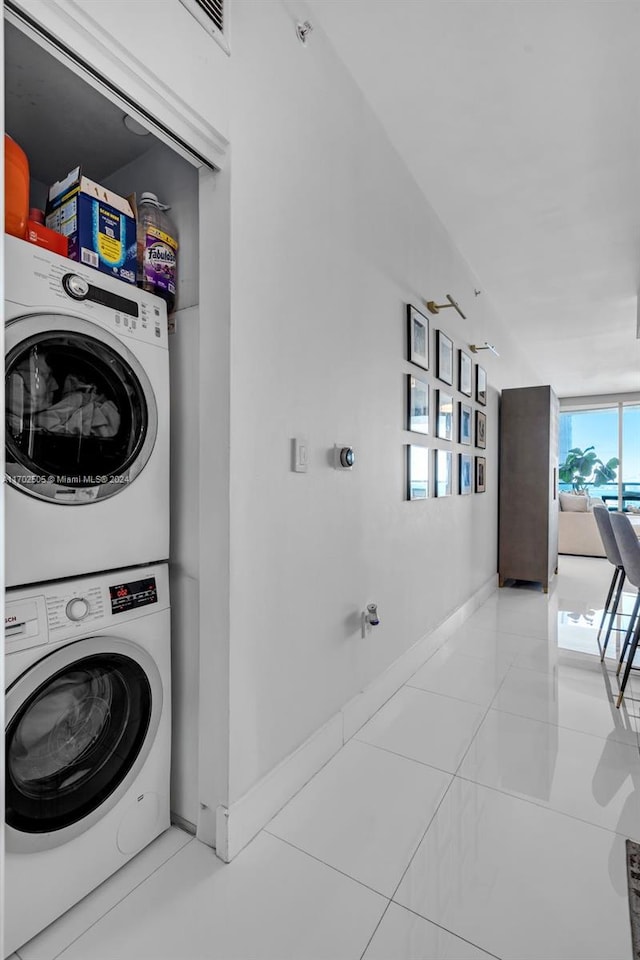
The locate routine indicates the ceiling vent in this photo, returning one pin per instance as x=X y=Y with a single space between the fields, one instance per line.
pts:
x=211 y=15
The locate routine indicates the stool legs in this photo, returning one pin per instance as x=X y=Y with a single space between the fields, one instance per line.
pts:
x=614 y=609
x=633 y=636
x=614 y=578
x=629 y=633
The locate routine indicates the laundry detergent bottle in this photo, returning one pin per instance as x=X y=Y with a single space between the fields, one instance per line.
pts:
x=157 y=250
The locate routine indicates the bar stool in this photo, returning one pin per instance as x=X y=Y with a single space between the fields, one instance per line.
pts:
x=603 y=521
x=629 y=548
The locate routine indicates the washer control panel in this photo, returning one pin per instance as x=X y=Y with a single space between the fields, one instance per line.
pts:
x=40 y=277
x=64 y=610
x=76 y=607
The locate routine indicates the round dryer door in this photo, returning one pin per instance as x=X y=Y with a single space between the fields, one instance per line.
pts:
x=79 y=725
x=81 y=417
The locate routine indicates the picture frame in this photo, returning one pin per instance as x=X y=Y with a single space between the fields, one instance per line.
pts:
x=465 y=412
x=481 y=385
x=444 y=415
x=465 y=470
x=443 y=480
x=465 y=373
x=417 y=405
x=417 y=472
x=481 y=430
x=444 y=357
x=417 y=337
x=481 y=469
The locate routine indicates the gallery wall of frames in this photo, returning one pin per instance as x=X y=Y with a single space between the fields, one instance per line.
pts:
x=445 y=394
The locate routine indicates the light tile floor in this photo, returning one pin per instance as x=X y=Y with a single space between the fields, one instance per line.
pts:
x=482 y=812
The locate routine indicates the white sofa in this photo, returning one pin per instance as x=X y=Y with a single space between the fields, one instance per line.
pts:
x=578 y=532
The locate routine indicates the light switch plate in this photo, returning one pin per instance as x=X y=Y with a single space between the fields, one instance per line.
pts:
x=299 y=455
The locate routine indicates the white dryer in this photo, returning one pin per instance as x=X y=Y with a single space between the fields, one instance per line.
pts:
x=88 y=737
x=87 y=419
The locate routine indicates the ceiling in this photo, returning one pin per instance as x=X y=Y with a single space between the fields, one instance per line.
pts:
x=520 y=121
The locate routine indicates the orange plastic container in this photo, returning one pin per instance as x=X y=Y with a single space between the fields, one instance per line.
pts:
x=16 y=188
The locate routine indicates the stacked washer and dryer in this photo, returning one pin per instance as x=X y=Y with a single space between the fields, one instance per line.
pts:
x=87 y=617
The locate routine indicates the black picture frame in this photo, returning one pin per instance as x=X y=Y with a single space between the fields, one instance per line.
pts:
x=465 y=472
x=481 y=430
x=443 y=473
x=481 y=471
x=444 y=357
x=417 y=472
x=444 y=415
x=465 y=373
x=417 y=337
x=417 y=405
x=465 y=412
x=481 y=385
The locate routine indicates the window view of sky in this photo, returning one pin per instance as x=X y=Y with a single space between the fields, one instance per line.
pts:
x=599 y=428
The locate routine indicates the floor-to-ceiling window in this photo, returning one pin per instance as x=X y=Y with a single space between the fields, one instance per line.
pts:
x=612 y=429
x=630 y=466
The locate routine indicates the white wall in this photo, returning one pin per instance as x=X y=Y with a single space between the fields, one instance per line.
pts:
x=330 y=237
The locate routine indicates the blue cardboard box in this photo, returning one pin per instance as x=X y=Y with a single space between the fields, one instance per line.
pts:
x=100 y=225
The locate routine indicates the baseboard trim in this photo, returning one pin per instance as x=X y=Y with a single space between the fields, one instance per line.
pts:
x=362 y=707
x=239 y=823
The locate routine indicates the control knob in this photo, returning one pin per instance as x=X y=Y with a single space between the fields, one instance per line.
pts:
x=78 y=608
x=77 y=287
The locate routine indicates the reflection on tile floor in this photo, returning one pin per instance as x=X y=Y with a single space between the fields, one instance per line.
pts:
x=482 y=812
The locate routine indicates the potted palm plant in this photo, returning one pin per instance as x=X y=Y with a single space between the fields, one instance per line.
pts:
x=584 y=468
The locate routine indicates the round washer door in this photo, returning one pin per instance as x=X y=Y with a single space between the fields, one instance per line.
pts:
x=79 y=725
x=81 y=417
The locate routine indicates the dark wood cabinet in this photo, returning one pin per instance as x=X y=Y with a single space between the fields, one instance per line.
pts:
x=528 y=499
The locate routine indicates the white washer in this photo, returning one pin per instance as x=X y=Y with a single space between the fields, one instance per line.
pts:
x=87 y=419
x=88 y=737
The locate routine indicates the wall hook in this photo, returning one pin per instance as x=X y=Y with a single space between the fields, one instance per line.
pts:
x=434 y=307
x=303 y=30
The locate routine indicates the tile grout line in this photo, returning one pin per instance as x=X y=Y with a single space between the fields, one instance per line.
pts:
x=484 y=717
x=562 y=726
x=435 y=813
x=331 y=866
x=403 y=756
x=375 y=930
x=446 y=929
x=472 y=703
x=419 y=843
x=541 y=806
x=118 y=902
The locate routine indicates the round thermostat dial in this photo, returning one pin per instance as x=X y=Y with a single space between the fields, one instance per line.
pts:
x=347 y=457
x=77 y=609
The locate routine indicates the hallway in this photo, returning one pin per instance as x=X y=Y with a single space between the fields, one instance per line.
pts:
x=481 y=812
